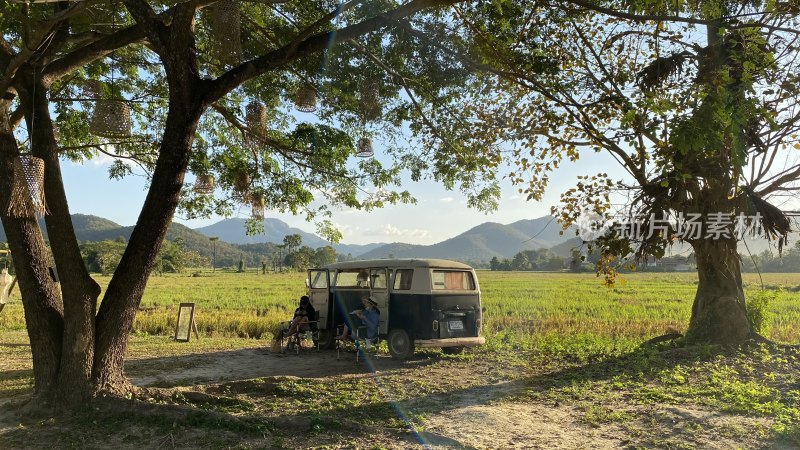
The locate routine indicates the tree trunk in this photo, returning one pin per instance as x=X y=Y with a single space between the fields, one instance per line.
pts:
x=79 y=291
x=718 y=313
x=124 y=293
x=40 y=296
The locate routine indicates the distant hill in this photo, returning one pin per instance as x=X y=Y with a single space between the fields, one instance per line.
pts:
x=483 y=242
x=233 y=231
x=90 y=228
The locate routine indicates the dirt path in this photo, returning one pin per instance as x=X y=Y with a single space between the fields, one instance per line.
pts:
x=451 y=403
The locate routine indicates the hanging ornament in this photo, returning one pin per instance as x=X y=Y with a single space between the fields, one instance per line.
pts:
x=111 y=119
x=27 y=188
x=370 y=101
x=306 y=100
x=259 y=204
x=256 y=119
x=226 y=25
x=204 y=184
x=241 y=186
x=364 y=149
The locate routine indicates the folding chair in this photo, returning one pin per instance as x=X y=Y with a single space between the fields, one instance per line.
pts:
x=361 y=343
x=295 y=341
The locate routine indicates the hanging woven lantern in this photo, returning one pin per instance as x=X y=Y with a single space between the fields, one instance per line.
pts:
x=370 y=101
x=241 y=186
x=306 y=100
x=256 y=118
x=364 y=148
x=27 y=188
x=259 y=204
x=226 y=25
x=111 y=119
x=204 y=184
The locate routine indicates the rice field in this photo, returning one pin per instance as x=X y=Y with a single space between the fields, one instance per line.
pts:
x=523 y=309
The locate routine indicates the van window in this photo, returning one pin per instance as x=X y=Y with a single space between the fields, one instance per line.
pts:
x=352 y=278
x=453 y=280
x=402 y=279
x=378 y=277
x=318 y=279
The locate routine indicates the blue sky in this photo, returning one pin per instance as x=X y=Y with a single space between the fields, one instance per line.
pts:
x=438 y=215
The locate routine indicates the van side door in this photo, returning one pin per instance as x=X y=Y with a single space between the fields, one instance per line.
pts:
x=379 y=290
x=319 y=282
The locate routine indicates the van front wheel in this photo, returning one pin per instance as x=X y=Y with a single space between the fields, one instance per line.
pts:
x=401 y=346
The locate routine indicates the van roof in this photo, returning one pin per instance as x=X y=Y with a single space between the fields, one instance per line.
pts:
x=407 y=262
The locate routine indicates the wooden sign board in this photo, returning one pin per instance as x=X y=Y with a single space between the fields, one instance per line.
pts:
x=183 y=328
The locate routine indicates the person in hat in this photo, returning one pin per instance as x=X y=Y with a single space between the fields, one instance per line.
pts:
x=370 y=316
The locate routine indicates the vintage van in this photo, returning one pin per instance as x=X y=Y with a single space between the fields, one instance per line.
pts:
x=422 y=302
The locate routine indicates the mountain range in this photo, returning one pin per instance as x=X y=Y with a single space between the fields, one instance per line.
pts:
x=477 y=245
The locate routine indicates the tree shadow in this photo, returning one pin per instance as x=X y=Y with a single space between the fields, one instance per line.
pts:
x=399 y=418
x=256 y=363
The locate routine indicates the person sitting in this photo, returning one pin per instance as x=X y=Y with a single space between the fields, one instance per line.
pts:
x=301 y=319
x=362 y=279
x=370 y=316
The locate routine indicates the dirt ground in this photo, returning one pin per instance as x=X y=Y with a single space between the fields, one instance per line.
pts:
x=445 y=403
x=486 y=417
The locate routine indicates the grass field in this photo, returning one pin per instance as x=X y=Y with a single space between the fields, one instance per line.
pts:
x=563 y=354
x=522 y=307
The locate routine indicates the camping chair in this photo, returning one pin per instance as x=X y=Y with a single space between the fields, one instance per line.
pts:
x=361 y=343
x=295 y=341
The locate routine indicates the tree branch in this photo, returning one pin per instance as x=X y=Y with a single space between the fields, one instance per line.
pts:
x=280 y=57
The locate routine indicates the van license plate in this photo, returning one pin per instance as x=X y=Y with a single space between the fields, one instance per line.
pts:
x=456 y=325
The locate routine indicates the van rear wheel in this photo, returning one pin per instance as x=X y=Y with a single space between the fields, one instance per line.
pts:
x=452 y=350
x=401 y=346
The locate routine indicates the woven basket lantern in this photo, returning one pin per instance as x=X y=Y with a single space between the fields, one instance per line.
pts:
x=204 y=184
x=364 y=148
x=256 y=118
x=370 y=101
x=241 y=186
x=226 y=25
x=111 y=119
x=27 y=188
x=259 y=204
x=306 y=100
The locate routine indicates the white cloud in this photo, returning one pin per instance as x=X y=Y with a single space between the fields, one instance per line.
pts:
x=392 y=232
x=447 y=199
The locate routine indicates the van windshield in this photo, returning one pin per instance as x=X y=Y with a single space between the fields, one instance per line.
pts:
x=452 y=280
x=352 y=278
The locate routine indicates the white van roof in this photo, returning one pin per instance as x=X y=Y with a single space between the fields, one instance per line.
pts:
x=407 y=262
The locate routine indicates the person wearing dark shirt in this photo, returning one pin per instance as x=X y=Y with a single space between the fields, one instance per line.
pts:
x=304 y=314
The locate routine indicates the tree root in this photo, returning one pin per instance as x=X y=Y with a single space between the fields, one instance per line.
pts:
x=662 y=338
x=759 y=339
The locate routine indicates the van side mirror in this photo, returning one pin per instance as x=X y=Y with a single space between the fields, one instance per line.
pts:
x=308 y=284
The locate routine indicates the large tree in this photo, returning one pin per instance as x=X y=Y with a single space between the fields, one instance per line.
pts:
x=179 y=67
x=695 y=104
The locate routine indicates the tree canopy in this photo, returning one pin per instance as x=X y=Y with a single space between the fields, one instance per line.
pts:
x=695 y=102
x=199 y=92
